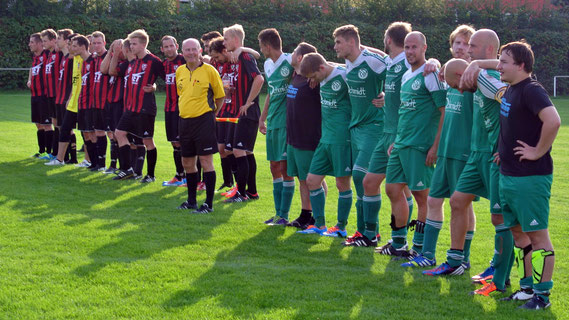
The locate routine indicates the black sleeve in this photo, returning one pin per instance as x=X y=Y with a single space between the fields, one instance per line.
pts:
x=536 y=98
x=250 y=65
x=159 y=69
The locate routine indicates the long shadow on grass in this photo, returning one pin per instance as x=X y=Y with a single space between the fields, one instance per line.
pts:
x=147 y=214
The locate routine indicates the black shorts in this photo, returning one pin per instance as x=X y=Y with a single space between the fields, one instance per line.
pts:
x=225 y=132
x=172 y=120
x=197 y=135
x=69 y=123
x=98 y=119
x=59 y=113
x=138 y=124
x=113 y=113
x=245 y=135
x=39 y=110
x=83 y=120
x=51 y=106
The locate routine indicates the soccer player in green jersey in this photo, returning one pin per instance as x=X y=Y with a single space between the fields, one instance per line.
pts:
x=454 y=149
x=333 y=153
x=480 y=175
x=365 y=76
x=413 y=154
x=397 y=65
x=278 y=70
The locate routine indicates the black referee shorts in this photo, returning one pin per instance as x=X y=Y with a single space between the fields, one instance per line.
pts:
x=197 y=135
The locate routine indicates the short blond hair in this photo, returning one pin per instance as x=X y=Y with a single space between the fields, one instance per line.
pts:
x=139 y=34
x=98 y=34
x=463 y=30
x=235 y=30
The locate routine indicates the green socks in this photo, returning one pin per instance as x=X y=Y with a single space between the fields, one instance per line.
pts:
x=432 y=230
x=286 y=199
x=455 y=257
x=318 y=201
x=467 y=243
x=371 y=207
x=418 y=236
x=410 y=204
x=503 y=249
x=344 y=206
x=277 y=194
x=399 y=237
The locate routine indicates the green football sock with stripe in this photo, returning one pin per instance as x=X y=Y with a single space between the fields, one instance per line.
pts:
x=286 y=198
x=344 y=206
x=432 y=230
x=371 y=207
x=277 y=194
x=318 y=202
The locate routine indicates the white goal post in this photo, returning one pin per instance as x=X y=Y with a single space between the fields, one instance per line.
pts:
x=555 y=84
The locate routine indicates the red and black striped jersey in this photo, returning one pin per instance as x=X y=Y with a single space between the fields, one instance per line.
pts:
x=170 y=67
x=229 y=108
x=100 y=86
x=50 y=74
x=144 y=72
x=125 y=69
x=64 y=80
x=37 y=82
x=85 y=100
x=243 y=72
x=116 y=90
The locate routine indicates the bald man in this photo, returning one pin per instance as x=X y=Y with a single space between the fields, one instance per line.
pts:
x=452 y=154
x=480 y=176
x=413 y=154
x=196 y=84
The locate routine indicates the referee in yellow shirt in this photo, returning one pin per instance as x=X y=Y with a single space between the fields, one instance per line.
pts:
x=200 y=95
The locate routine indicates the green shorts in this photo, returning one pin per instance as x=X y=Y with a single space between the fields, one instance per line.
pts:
x=379 y=157
x=480 y=177
x=407 y=165
x=332 y=160
x=526 y=201
x=298 y=162
x=445 y=177
x=276 y=144
x=364 y=140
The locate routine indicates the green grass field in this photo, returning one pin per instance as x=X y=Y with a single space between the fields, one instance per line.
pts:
x=74 y=244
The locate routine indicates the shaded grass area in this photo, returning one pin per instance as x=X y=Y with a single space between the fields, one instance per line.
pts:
x=74 y=244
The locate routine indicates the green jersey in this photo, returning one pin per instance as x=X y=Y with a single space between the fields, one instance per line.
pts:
x=278 y=74
x=457 y=126
x=365 y=77
x=395 y=70
x=489 y=97
x=336 y=108
x=421 y=97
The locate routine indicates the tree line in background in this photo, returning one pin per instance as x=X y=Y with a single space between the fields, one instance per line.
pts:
x=313 y=21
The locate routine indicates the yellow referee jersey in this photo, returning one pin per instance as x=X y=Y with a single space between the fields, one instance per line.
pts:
x=198 y=90
x=75 y=83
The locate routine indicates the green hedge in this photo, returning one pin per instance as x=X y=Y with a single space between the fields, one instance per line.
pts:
x=296 y=20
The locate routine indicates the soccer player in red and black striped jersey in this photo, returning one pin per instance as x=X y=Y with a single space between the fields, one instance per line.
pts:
x=63 y=88
x=225 y=130
x=48 y=38
x=169 y=47
x=84 y=103
x=99 y=92
x=140 y=115
x=114 y=106
x=248 y=85
x=35 y=82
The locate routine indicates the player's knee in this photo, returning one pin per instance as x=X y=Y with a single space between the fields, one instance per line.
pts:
x=497 y=219
x=435 y=202
x=458 y=203
x=313 y=182
x=371 y=184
